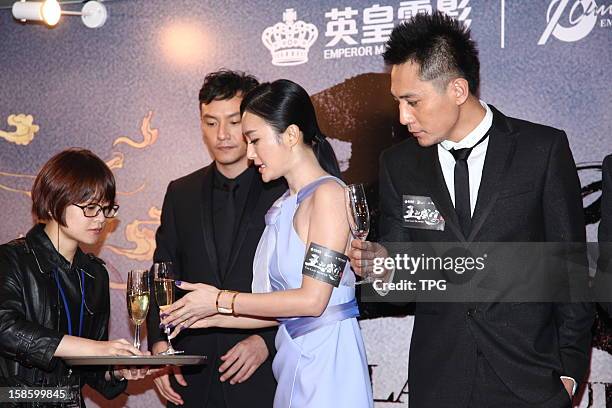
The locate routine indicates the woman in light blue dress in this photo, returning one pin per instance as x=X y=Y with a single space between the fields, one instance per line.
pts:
x=301 y=279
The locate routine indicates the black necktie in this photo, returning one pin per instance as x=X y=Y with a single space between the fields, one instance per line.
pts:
x=226 y=236
x=462 y=186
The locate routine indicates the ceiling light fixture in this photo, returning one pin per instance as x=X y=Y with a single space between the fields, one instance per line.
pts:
x=93 y=14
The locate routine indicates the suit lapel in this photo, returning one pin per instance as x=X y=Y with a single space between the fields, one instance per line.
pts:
x=434 y=181
x=500 y=151
x=207 y=222
x=248 y=209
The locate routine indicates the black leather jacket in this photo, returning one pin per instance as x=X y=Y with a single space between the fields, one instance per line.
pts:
x=31 y=308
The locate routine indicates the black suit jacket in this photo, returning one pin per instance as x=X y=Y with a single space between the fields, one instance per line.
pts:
x=605 y=237
x=186 y=238
x=529 y=192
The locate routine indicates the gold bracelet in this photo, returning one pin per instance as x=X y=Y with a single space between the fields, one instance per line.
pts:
x=233 y=303
x=217 y=301
x=225 y=310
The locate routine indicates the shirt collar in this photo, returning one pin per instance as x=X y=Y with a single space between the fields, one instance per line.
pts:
x=475 y=135
x=46 y=253
x=219 y=180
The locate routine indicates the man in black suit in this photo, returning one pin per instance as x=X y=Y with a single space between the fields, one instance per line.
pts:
x=605 y=237
x=493 y=179
x=211 y=223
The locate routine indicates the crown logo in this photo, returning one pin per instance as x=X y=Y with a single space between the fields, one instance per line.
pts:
x=290 y=40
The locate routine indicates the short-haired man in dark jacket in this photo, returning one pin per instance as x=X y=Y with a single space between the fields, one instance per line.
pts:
x=211 y=223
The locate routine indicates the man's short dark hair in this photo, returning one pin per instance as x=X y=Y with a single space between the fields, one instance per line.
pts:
x=225 y=84
x=73 y=176
x=440 y=44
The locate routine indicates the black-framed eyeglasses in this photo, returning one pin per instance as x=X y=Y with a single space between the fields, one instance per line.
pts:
x=92 y=210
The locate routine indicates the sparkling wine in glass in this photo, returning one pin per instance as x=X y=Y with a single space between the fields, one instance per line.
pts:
x=358 y=217
x=163 y=278
x=137 y=296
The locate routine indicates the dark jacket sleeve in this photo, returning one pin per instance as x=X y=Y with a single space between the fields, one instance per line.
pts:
x=27 y=342
x=269 y=336
x=604 y=263
x=605 y=225
x=96 y=378
x=564 y=222
x=167 y=248
x=391 y=226
x=390 y=222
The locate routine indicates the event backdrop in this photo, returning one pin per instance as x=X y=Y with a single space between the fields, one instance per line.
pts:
x=128 y=91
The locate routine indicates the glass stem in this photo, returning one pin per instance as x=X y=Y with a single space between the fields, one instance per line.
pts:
x=170 y=348
x=137 y=337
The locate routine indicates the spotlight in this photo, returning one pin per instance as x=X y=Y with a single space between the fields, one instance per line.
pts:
x=93 y=14
x=51 y=12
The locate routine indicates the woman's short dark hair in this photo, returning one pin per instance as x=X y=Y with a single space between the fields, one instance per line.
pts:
x=440 y=44
x=72 y=176
x=283 y=103
x=225 y=84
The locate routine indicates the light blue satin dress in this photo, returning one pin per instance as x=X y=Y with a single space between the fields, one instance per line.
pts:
x=320 y=362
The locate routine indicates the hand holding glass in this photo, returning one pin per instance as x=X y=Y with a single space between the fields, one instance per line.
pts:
x=358 y=217
x=163 y=276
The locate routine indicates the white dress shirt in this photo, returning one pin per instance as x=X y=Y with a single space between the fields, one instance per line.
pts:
x=475 y=160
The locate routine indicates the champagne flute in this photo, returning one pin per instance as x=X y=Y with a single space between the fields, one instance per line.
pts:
x=137 y=296
x=358 y=217
x=163 y=277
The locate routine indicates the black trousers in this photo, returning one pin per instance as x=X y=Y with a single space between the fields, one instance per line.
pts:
x=215 y=397
x=490 y=392
x=193 y=396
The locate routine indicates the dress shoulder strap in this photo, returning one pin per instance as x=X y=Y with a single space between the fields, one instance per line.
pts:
x=307 y=190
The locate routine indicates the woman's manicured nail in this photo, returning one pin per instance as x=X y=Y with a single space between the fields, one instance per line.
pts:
x=178 y=283
x=162 y=326
x=163 y=315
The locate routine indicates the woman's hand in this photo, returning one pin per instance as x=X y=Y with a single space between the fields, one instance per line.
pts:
x=73 y=346
x=195 y=305
x=119 y=347
x=194 y=323
x=133 y=372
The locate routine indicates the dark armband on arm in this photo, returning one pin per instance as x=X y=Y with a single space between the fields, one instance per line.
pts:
x=324 y=264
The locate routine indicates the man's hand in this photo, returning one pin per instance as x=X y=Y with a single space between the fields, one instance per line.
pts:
x=241 y=361
x=362 y=254
x=162 y=377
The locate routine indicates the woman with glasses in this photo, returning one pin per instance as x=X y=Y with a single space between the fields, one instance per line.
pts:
x=54 y=298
